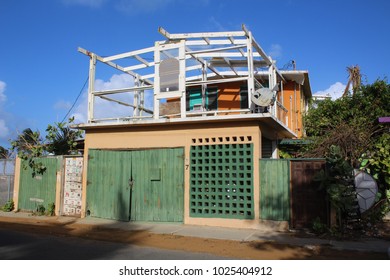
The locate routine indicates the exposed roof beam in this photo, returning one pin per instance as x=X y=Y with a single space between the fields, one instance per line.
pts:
x=217 y=49
x=207 y=40
x=128 y=54
x=257 y=46
x=261 y=51
x=218 y=62
x=140 y=59
x=230 y=65
x=203 y=62
x=169 y=36
x=218 y=81
x=121 y=90
x=138 y=66
x=215 y=42
x=127 y=104
x=224 y=54
x=114 y=65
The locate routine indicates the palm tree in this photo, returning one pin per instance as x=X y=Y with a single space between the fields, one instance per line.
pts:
x=4 y=153
x=355 y=78
x=62 y=141
x=27 y=141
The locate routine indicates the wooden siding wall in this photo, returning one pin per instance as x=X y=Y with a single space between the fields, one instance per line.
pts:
x=292 y=96
x=229 y=96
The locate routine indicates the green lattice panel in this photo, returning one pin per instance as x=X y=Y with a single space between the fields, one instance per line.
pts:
x=222 y=181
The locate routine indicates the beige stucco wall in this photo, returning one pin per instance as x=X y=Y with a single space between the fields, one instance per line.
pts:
x=164 y=136
x=16 y=183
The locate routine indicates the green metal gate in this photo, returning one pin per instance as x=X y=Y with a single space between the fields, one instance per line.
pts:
x=139 y=185
x=274 y=190
x=41 y=189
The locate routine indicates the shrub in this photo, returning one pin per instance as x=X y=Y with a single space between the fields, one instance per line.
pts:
x=9 y=206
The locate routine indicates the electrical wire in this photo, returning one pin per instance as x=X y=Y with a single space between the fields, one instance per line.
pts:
x=77 y=98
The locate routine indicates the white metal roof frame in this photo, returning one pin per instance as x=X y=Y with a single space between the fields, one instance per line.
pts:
x=205 y=58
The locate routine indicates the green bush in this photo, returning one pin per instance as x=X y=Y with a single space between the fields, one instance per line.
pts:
x=51 y=209
x=40 y=210
x=9 y=206
x=318 y=226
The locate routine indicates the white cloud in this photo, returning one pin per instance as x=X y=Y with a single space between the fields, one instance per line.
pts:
x=2 y=89
x=107 y=109
x=335 y=91
x=87 y=3
x=62 y=105
x=4 y=130
x=275 y=51
x=142 y=6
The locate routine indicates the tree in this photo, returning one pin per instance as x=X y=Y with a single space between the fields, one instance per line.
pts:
x=350 y=122
x=60 y=140
x=4 y=153
x=351 y=125
x=355 y=78
x=29 y=142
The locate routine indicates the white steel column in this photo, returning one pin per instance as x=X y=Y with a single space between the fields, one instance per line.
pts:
x=156 y=91
x=136 y=110
x=142 y=99
x=182 y=77
x=204 y=86
x=91 y=87
x=272 y=84
x=251 y=80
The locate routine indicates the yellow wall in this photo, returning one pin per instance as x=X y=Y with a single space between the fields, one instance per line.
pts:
x=165 y=136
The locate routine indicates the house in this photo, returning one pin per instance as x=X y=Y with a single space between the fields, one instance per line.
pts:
x=202 y=109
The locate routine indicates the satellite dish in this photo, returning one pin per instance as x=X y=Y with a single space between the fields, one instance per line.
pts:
x=264 y=96
x=366 y=190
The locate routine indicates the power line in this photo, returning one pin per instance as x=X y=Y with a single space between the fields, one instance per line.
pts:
x=78 y=96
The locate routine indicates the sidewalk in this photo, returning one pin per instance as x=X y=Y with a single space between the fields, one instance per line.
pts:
x=369 y=245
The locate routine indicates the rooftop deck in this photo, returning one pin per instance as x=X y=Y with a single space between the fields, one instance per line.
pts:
x=166 y=72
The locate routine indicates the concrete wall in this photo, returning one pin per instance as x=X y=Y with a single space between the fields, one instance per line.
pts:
x=164 y=136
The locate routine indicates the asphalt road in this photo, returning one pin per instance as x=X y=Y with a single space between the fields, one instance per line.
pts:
x=16 y=245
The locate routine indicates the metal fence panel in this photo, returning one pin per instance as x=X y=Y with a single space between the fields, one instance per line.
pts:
x=41 y=189
x=7 y=170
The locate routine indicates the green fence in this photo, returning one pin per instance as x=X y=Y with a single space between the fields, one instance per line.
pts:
x=274 y=189
x=41 y=189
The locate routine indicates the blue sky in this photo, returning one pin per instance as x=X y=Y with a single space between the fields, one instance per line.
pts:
x=42 y=73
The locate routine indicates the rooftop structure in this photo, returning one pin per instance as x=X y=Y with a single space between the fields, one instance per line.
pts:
x=182 y=78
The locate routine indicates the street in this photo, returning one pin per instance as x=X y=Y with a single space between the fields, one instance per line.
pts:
x=15 y=245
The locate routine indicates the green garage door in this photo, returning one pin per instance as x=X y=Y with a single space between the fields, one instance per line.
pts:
x=141 y=185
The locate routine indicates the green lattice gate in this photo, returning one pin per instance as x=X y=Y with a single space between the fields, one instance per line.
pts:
x=221 y=184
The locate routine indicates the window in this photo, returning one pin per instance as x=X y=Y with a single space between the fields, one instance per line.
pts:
x=194 y=99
